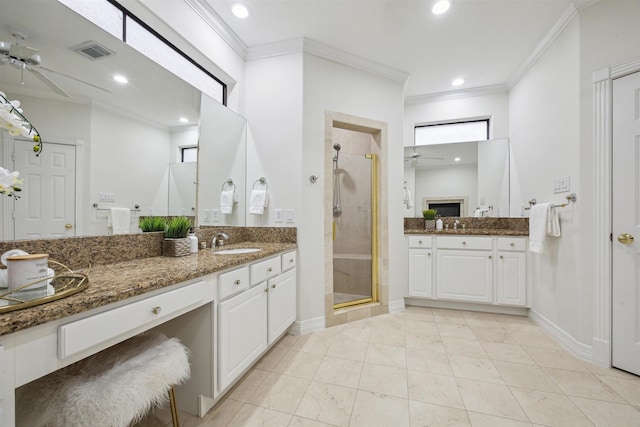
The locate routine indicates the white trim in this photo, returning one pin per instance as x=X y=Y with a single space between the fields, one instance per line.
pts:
x=468 y=306
x=213 y=20
x=324 y=51
x=80 y=206
x=542 y=47
x=397 y=305
x=581 y=350
x=301 y=327
x=602 y=146
x=456 y=94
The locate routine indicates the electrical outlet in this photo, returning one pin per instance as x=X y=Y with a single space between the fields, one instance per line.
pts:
x=278 y=215
x=207 y=215
x=290 y=215
x=150 y=211
x=216 y=215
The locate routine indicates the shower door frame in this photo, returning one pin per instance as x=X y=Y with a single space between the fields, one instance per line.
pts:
x=374 y=238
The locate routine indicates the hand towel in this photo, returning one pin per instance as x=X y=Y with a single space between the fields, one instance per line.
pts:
x=407 y=198
x=553 y=223
x=538 y=226
x=227 y=199
x=119 y=220
x=258 y=201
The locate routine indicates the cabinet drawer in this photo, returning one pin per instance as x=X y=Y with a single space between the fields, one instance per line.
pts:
x=263 y=270
x=511 y=243
x=232 y=282
x=289 y=260
x=420 y=241
x=92 y=331
x=464 y=242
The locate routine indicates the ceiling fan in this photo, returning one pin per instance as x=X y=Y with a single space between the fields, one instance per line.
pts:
x=415 y=156
x=28 y=58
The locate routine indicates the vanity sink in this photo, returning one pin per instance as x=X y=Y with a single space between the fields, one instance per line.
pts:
x=237 y=251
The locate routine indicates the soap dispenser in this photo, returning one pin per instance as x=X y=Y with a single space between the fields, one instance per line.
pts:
x=193 y=242
x=439 y=224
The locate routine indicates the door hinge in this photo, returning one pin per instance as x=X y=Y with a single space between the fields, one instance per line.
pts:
x=611 y=237
x=13 y=156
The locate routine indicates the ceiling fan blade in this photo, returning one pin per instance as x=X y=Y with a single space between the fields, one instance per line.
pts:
x=44 y=79
x=73 y=78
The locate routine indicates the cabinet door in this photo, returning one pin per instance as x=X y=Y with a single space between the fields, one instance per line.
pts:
x=242 y=333
x=281 y=304
x=464 y=275
x=420 y=273
x=511 y=278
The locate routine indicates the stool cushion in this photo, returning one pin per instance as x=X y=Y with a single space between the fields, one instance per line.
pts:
x=113 y=388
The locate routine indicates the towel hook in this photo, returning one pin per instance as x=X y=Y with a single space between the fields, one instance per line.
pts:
x=262 y=180
x=313 y=179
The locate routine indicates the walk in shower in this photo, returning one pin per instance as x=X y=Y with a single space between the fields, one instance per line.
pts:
x=354 y=218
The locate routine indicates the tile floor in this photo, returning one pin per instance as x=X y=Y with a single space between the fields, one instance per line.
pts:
x=425 y=367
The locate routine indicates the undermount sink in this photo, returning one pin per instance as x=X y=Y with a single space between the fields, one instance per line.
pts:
x=237 y=251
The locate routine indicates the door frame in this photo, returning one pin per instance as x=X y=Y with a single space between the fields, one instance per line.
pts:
x=7 y=144
x=602 y=212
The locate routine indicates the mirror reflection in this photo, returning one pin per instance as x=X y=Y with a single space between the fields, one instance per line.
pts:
x=459 y=179
x=107 y=144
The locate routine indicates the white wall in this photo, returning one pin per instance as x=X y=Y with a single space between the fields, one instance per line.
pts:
x=461 y=180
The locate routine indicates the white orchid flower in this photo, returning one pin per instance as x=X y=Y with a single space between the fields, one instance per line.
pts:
x=9 y=182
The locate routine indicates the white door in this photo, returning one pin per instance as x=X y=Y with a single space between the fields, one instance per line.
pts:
x=625 y=335
x=46 y=207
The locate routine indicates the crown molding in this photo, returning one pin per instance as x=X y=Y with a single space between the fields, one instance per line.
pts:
x=324 y=51
x=213 y=20
x=456 y=94
x=542 y=47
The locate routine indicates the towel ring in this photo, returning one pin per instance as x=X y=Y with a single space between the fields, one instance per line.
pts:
x=262 y=180
x=230 y=183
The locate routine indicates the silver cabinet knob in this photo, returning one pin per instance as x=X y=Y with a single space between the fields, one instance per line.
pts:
x=156 y=310
x=237 y=282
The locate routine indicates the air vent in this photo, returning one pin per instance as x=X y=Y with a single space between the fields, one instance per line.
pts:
x=92 y=50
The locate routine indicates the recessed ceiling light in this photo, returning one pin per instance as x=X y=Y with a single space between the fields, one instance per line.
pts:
x=120 y=79
x=183 y=120
x=457 y=82
x=457 y=159
x=440 y=7
x=240 y=11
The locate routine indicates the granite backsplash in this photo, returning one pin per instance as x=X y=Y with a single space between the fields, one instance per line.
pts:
x=514 y=224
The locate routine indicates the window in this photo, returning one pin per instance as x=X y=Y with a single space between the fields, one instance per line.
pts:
x=188 y=154
x=475 y=130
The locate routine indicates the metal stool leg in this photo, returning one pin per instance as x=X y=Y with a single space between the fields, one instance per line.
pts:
x=174 y=408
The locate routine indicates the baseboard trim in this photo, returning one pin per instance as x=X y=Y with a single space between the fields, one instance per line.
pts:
x=397 y=305
x=469 y=306
x=578 y=349
x=301 y=327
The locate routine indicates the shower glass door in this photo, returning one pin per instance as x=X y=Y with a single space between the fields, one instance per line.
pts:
x=354 y=229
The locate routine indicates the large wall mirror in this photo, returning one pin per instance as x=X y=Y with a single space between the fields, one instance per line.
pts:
x=473 y=175
x=105 y=144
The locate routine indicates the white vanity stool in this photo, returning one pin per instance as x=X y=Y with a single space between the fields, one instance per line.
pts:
x=113 y=388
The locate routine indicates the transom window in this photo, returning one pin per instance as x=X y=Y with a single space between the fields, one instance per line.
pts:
x=188 y=154
x=443 y=133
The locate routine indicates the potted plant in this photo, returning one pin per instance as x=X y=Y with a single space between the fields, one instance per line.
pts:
x=176 y=242
x=152 y=223
x=429 y=219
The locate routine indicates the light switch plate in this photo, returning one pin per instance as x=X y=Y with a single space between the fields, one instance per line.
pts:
x=561 y=185
x=278 y=215
x=216 y=215
x=290 y=215
x=207 y=215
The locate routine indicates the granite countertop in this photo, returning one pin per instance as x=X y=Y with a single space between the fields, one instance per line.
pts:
x=469 y=232
x=111 y=283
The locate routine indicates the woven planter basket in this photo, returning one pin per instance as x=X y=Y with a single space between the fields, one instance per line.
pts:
x=176 y=247
x=429 y=224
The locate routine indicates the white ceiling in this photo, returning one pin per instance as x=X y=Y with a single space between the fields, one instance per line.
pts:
x=484 y=41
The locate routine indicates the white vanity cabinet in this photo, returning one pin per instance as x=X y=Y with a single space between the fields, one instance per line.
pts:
x=471 y=269
x=420 y=266
x=511 y=271
x=464 y=269
x=250 y=321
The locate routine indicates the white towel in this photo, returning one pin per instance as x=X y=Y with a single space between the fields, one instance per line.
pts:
x=227 y=199
x=538 y=226
x=407 y=198
x=119 y=220
x=553 y=223
x=259 y=200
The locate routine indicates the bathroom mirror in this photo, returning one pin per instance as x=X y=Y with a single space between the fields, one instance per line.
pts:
x=121 y=139
x=478 y=179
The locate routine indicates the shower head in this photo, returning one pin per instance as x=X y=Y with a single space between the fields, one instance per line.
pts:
x=337 y=147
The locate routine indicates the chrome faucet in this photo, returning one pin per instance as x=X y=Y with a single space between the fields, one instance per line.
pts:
x=219 y=239
x=455 y=224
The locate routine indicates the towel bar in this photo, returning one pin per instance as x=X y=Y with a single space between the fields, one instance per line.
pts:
x=571 y=198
